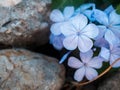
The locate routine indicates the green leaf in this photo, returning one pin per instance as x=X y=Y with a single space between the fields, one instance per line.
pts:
x=60 y=4
x=118 y=9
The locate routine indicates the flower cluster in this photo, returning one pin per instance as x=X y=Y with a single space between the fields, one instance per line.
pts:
x=84 y=29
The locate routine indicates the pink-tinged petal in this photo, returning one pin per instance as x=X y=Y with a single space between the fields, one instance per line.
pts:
x=116 y=30
x=55 y=30
x=101 y=17
x=79 y=21
x=113 y=58
x=114 y=18
x=67 y=29
x=84 y=43
x=79 y=74
x=56 y=16
x=86 y=57
x=74 y=62
x=91 y=31
x=70 y=42
x=91 y=73
x=111 y=38
x=68 y=12
x=109 y=9
x=96 y=62
x=105 y=53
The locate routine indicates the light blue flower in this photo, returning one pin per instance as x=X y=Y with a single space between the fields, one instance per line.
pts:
x=57 y=41
x=110 y=24
x=86 y=67
x=86 y=10
x=59 y=18
x=109 y=9
x=77 y=33
x=85 y=7
x=112 y=53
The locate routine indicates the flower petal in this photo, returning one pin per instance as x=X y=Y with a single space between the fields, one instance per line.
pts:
x=79 y=74
x=105 y=53
x=56 y=16
x=113 y=58
x=116 y=30
x=79 y=21
x=114 y=18
x=96 y=62
x=67 y=29
x=74 y=62
x=70 y=42
x=116 y=50
x=68 y=12
x=109 y=9
x=84 y=43
x=102 y=29
x=86 y=57
x=89 y=14
x=91 y=31
x=57 y=41
x=101 y=43
x=112 y=41
x=101 y=17
x=91 y=73
x=54 y=28
x=84 y=7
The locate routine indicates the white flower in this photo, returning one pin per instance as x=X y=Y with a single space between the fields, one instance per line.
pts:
x=86 y=67
x=110 y=24
x=112 y=53
x=59 y=18
x=77 y=33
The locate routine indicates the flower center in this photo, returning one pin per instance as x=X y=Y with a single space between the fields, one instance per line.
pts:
x=78 y=33
x=108 y=26
x=85 y=64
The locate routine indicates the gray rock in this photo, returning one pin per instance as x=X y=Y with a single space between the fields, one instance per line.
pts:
x=25 y=22
x=24 y=70
x=111 y=83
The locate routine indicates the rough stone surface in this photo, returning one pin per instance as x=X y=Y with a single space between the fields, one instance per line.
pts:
x=24 y=70
x=111 y=83
x=25 y=23
x=9 y=3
